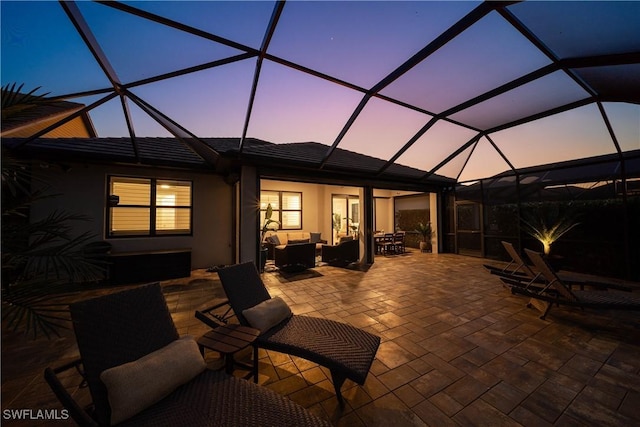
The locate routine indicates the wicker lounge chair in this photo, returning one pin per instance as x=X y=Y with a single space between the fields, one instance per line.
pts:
x=345 y=350
x=543 y=300
x=516 y=267
x=518 y=273
x=124 y=327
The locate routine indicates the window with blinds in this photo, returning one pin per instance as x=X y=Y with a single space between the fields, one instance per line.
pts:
x=287 y=208
x=149 y=207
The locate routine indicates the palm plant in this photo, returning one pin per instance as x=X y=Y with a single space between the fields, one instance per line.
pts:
x=547 y=225
x=268 y=223
x=43 y=260
x=337 y=222
x=425 y=231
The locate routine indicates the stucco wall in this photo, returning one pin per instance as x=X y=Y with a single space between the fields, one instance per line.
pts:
x=83 y=188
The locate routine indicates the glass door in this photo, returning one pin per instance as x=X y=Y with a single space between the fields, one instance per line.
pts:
x=345 y=216
x=469 y=232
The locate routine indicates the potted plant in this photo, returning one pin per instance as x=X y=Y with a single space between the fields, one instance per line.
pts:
x=337 y=225
x=355 y=228
x=424 y=229
x=267 y=225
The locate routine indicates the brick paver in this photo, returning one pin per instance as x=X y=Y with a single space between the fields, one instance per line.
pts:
x=457 y=349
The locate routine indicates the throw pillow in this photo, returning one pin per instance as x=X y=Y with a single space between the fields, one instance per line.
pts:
x=315 y=237
x=274 y=239
x=134 y=386
x=293 y=242
x=267 y=314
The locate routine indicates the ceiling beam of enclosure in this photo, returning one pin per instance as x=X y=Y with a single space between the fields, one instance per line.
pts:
x=456 y=29
x=273 y=22
x=74 y=14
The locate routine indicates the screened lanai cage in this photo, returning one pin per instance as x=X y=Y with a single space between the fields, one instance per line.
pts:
x=594 y=199
x=504 y=108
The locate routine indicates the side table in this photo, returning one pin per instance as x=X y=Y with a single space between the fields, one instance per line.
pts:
x=228 y=340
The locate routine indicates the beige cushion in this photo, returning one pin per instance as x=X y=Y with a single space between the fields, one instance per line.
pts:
x=295 y=242
x=267 y=314
x=285 y=236
x=300 y=235
x=136 y=385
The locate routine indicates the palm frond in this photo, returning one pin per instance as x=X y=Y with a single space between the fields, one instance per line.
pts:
x=15 y=103
x=37 y=306
x=44 y=262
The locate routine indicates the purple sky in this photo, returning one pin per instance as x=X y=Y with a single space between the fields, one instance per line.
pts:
x=357 y=42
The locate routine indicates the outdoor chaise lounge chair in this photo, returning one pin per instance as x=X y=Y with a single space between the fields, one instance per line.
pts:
x=345 y=350
x=518 y=273
x=141 y=373
x=561 y=294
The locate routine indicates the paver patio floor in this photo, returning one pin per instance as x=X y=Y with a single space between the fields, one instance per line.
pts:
x=457 y=349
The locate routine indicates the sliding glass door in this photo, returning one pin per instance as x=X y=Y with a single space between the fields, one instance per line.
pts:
x=345 y=216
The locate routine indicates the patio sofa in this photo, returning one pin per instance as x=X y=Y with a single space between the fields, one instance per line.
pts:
x=283 y=238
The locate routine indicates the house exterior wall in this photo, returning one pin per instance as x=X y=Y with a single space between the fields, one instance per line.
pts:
x=248 y=196
x=383 y=210
x=75 y=128
x=433 y=210
x=83 y=190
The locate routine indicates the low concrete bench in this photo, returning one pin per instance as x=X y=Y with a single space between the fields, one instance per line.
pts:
x=148 y=266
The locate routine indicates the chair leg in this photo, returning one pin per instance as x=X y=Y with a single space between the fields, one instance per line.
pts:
x=541 y=306
x=544 y=315
x=338 y=379
x=255 y=364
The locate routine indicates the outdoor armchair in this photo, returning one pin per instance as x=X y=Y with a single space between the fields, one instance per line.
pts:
x=141 y=373
x=341 y=254
x=295 y=257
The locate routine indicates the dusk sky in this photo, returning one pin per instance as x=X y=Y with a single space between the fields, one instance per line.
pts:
x=359 y=43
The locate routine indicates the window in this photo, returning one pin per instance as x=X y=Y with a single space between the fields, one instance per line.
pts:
x=148 y=207
x=287 y=208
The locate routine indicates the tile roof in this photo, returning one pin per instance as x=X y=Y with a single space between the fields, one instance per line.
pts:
x=312 y=153
x=152 y=151
x=173 y=152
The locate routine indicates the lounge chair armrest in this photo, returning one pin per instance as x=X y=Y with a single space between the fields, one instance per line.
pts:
x=581 y=284
x=76 y=412
x=210 y=317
